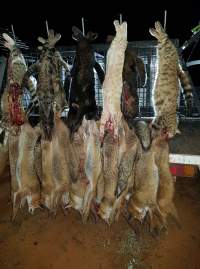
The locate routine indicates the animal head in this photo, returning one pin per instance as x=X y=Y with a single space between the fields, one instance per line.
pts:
x=74 y=118
x=78 y=35
x=136 y=212
x=143 y=132
x=158 y=32
x=76 y=114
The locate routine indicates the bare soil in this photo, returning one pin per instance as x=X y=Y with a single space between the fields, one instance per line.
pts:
x=41 y=241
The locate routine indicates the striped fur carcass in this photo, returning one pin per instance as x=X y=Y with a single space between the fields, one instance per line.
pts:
x=11 y=102
x=49 y=93
x=86 y=169
x=82 y=90
x=166 y=87
x=112 y=126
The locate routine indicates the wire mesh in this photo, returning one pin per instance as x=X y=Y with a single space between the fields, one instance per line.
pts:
x=145 y=50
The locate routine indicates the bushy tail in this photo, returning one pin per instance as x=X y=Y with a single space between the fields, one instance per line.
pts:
x=187 y=88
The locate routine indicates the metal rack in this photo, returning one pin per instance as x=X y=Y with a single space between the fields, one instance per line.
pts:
x=144 y=49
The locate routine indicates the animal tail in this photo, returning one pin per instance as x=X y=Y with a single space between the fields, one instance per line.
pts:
x=187 y=88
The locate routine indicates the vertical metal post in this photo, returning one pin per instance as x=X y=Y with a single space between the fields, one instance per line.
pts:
x=165 y=19
x=47 y=27
x=83 y=26
x=120 y=18
x=13 y=32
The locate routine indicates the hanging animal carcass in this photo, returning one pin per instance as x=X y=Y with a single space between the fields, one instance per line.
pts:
x=82 y=91
x=49 y=92
x=21 y=136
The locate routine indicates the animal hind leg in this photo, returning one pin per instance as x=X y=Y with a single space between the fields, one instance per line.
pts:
x=16 y=204
x=157 y=220
x=89 y=194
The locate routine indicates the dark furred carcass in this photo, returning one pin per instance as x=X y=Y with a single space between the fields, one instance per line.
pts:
x=82 y=91
x=134 y=76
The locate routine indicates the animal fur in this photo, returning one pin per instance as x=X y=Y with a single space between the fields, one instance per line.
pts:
x=166 y=86
x=82 y=91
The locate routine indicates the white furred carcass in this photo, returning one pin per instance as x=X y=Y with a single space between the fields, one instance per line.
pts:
x=112 y=86
x=119 y=146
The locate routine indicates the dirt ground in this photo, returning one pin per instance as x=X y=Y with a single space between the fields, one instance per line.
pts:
x=45 y=242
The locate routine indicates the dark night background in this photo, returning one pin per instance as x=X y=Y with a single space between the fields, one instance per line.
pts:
x=29 y=19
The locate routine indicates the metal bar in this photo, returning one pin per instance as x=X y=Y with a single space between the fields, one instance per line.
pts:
x=47 y=27
x=184 y=159
x=120 y=18
x=83 y=26
x=13 y=32
x=165 y=19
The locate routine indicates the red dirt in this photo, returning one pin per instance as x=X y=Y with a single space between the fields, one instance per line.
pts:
x=45 y=242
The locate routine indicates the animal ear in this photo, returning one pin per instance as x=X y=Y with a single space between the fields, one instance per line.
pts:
x=41 y=40
x=77 y=34
x=159 y=27
x=51 y=34
x=124 y=26
x=109 y=39
x=75 y=106
x=91 y=36
x=178 y=131
x=9 y=42
x=116 y=24
x=153 y=32
x=55 y=39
